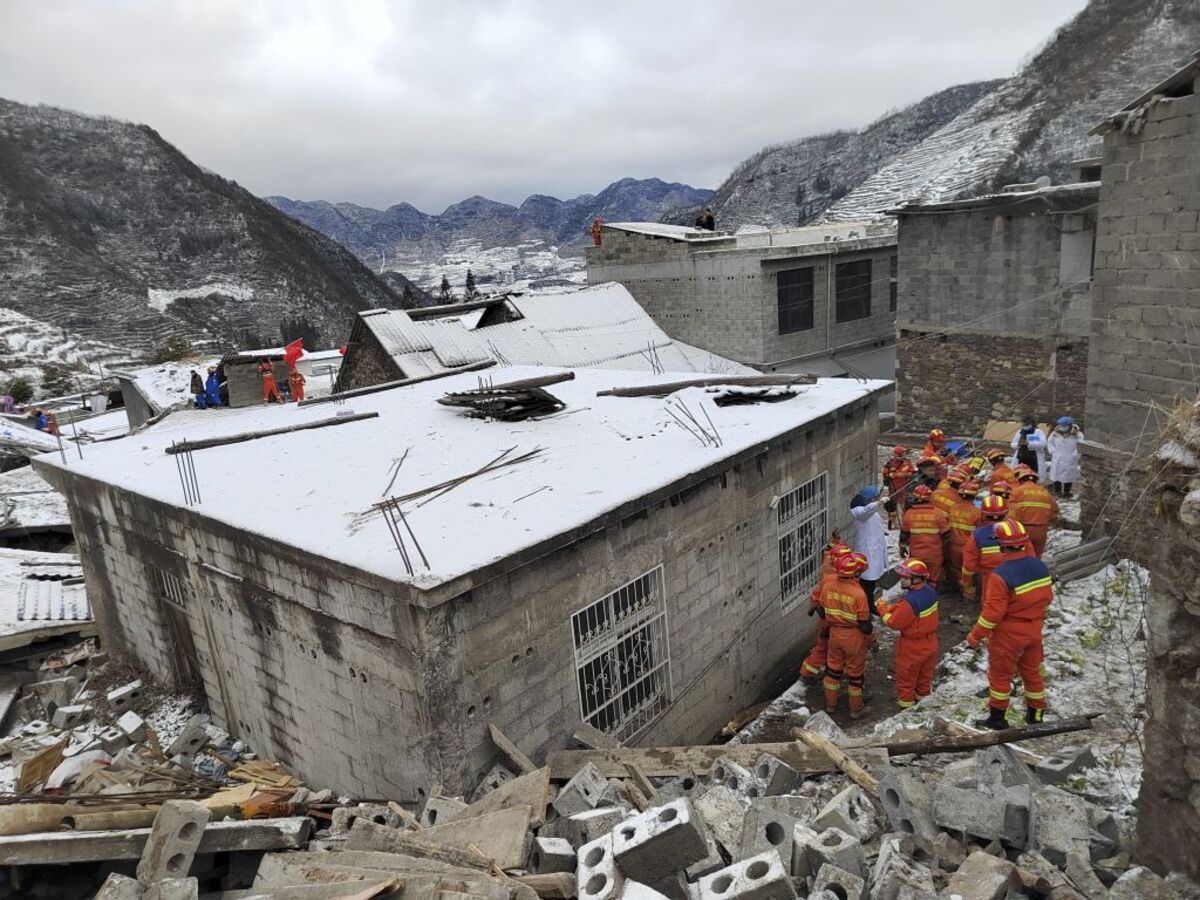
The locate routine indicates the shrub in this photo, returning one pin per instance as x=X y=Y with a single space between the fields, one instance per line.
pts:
x=20 y=390
x=175 y=349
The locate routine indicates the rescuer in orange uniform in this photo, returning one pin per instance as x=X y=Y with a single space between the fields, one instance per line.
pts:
x=945 y=496
x=925 y=533
x=296 y=383
x=1016 y=595
x=964 y=519
x=981 y=553
x=270 y=389
x=1034 y=507
x=898 y=471
x=936 y=445
x=1001 y=471
x=843 y=606
x=814 y=663
x=915 y=616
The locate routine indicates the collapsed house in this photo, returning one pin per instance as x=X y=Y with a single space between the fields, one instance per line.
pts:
x=994 y=299
x=597 y=328
x=815 y=299
x=244 y=381
x=362 y=589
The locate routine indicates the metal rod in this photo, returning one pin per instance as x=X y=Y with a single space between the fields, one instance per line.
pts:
x=710 y=423
x=75 y=434
x=416 y=543
x=684 y=425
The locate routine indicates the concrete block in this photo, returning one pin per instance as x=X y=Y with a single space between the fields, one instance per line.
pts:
x=172 y=842
x=840 y=883
x=70 y=716
x=663 y=839
x=120 y=699
x=587 y=826
x=850 y=810
x=896 y=872
x=999 y=767
x=822 y=723
x=439 y=809
x=343 y=818
x=802 y=836
x=615 y=795
x=119 y=887
x=497 y=775
x=1058 y=825
x=776 y=776
x=722 y=811
x=1002 y=816
x=1066 y=762
x=635 y=890
x=551 y=855
x=173 y=889
x=55 y=692
x=949 y=851
x=835 y=847
x=766 y=829
x=582 y=792
x=192 y=738
x=1104 y=838
x=1141 y=884
x=596 y=874
x=761 y=877
x=35 y=728
x=908 y=804
x=674 y=887
x=132 y=726
x=112 y=739
x=712 y=861
x=737 y=778
x=983 y=877
x=682 y=786
x=1079 y=870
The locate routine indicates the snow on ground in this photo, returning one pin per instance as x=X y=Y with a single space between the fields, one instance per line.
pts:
x=530 y=267
x=28 y=501
x=160 y=299
x=168 y=384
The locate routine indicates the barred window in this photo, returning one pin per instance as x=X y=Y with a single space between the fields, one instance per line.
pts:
x=170 y=587
x=622 y=660
x=803 y=519
x=852 y=284
x=893 y=282
x=794 y=296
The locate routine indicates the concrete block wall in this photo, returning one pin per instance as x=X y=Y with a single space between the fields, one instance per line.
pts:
x=365 y=363
x=245 y=382
x=1146 y=293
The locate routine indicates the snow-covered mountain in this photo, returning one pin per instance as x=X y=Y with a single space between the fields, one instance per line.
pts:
x=110 y=237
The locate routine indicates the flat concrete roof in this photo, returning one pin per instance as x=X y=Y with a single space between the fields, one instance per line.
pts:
x=1053 y=198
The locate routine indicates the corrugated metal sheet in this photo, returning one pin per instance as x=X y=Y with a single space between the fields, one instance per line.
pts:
x=52 y=601
x=424 y=348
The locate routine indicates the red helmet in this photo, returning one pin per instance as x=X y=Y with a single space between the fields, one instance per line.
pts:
x=899 y=451
x=837 y=551
x=969 y=488
x=861 y=562
x=1011 y=533
x=955 y=478
x=1002 y=489
x=937 y=436
x=1024 y=473
x=921 y=493
x=846 y=566
x=995 y=507
x=928 y=461
x=995 y=455
x=913 y=568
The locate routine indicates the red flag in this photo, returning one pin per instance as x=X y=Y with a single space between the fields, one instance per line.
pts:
x=293 y=352
x=342 y=349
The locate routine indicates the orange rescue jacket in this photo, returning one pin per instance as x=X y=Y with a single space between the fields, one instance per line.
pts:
x=1032 y=504
x=844 y=602
x=1017 y=593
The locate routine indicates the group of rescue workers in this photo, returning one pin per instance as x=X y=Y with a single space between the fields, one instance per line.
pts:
x=990 y=550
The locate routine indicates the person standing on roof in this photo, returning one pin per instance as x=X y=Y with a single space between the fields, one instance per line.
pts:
x=597 y=225
x=870 y=536
x=212 y=388
x=915 y=616
x=1016 y=595
x=296 y=381
x=1029 y=446
x=706 y=220
x=196 y=386
x=1062 y=447
x=270 y=389
x=898 y=471
x=925 y=533
x=843 y=606
x=1034 y=507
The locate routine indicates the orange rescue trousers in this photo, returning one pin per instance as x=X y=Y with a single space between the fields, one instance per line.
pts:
x=814 y=663
x=915 y=659
x=847 y=658
x=1037 y=537
x=270 y=389
x=1015 y=646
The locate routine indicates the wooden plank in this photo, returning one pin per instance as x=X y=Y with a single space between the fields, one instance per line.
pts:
x=667 y=762
x=641 y=781
x=853 y=770
x=497 y=837
x=592 y=738
x=266 y=433
x=532 y=790
x=670 y=387
x=62 y=847
x=511 y=750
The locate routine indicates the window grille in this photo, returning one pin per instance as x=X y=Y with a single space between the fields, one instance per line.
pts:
x=170 y=587
x=852 y=285
x=803 y=519
x=622 y=660
x=794 y=296
x=893 y=282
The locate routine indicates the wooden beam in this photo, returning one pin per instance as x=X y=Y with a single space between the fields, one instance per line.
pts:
x=667 y=762
x=269 y=432
x=453 y=309
x=511 y=750
x=670 y=387
x=853 y=770
x=539 y=381
x=592 y=738
x=402 y=382
x=641 y=781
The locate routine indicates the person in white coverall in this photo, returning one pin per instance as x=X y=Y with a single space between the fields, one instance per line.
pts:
x=870 y=537
x=1063 y=445
x=1029 y=447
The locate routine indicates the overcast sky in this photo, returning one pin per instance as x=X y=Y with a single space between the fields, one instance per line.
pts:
x=431 y=101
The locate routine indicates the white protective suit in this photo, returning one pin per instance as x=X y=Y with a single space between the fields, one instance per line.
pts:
x=870 y=538
x=1064 y=455
x=1037 y=443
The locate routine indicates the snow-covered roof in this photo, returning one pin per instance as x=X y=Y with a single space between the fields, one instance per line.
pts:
x=1180 y=83
x=41 y=594
x=28 y=503
x=1039 y=199
x=166 y=384
x=423 y=348
x=658 y=229
x=320 y=492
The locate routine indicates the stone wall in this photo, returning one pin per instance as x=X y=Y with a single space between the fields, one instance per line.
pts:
x=372 y=687
x=366 y=363
x=958 y=380
x=245 y=382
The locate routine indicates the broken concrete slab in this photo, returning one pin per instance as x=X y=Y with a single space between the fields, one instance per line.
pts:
x=494 y=778
x=174 y=838
x=1065 y=763
x=439 y=809
x=1000 y=767
x=983 y=877
x=822 y=723
x=532 y=790
x=650 y=846
x=343 y=818
x=896 y=873
x=1058 y=825
x=501 y=836
x=723 y=811
x=173 y=889
x=760 y=877
x=1002 y=816
x=582 y=792
x=852 y=811
x=949 y=851
x=1142 y=884
x=596 y=873
x=551 y=855
x=908 y=804
x=1079 y=870
x=119 y=887
x=592 y=738
x=840 y=883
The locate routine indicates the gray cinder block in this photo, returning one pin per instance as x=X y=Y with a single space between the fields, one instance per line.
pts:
x=840 y=883
x=596 y=874
x=551 y=855
x=582 y=792
x=173 y=840
x=664 y=839
x=761 y=877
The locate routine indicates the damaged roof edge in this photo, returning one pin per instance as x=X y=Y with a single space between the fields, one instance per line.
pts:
x=67 y=482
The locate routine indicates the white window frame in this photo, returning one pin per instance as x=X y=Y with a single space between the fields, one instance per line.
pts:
x=623 y=658
x=805 y=507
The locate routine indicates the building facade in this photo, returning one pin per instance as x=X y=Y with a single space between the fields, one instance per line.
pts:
x=994 y=310
x=818 y=299
x=654 y=617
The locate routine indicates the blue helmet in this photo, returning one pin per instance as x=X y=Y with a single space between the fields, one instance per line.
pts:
x=870 y=492
x=1065 y=422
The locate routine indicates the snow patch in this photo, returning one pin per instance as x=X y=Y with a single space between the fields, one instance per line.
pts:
x=160 y=299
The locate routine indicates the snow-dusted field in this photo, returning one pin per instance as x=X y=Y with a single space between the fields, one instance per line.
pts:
x=497 y=270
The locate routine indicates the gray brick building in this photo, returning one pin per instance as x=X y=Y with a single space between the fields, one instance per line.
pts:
x=1142 y=371
x=625 y=574
x=819 y=299
x=993 y=308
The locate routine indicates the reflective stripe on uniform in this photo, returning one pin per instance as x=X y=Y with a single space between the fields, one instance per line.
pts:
x=984 y=623
x=841 y=614
x=1032 y=585
x=962 y=526
x=999 y=695
x=924 y=531
x=929 y=612
x=995 y=549
x=1035 y=695
x=1033 y=504
x=812 y=669
x=905 y=704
